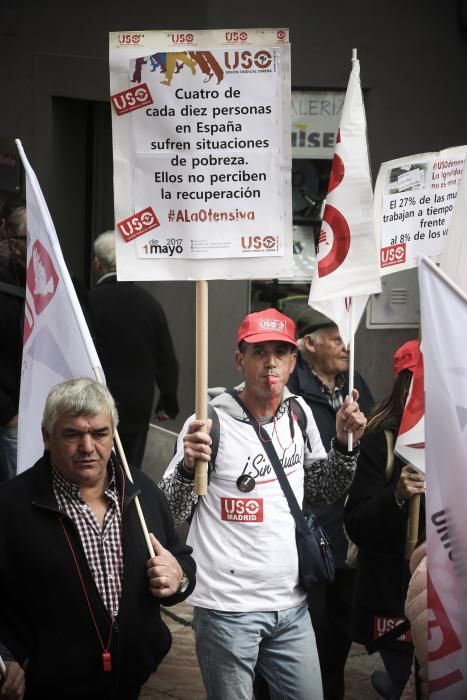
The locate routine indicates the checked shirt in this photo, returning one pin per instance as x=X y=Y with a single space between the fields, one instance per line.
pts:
x=101 y=545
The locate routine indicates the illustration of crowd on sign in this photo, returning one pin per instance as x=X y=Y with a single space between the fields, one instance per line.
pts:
x=172 y=62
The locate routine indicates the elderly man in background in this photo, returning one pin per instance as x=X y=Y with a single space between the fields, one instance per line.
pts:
x=321 y=379
x=79 y=598
x=135 y=348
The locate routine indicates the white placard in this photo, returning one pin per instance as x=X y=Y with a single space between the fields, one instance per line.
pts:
x=414 y=200
x=201 y=130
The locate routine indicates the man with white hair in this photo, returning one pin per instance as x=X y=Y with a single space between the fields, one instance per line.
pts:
x=135 y=348
x=79 y=596
x=321 y=378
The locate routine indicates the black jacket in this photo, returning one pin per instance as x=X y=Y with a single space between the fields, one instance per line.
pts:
x=378 y=526
x=43 y=612
x=11 y=338
x=135 y=347
x=303 y=383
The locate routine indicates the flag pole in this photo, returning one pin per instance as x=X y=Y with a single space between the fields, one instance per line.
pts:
x=351 y=361
x=201 y=397
x=412 y=529
x=123 y=459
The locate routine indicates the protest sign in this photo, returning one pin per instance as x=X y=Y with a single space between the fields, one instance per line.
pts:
x=414 y=200
x=201 y=130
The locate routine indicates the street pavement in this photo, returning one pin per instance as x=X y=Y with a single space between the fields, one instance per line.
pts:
x=178 y=677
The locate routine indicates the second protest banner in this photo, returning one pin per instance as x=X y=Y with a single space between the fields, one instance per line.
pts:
x=414 y=200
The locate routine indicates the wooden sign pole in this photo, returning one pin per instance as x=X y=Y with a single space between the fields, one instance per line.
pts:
x=201 y=468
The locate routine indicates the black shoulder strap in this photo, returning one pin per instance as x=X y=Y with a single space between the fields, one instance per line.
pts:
x=214 y=433
x=268 y=447
x=296 y=407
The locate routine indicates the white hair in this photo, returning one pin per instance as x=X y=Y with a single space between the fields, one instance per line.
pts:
x=79 y=397
x=104 y=249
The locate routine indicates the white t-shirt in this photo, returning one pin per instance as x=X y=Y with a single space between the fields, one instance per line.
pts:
x=244 y=543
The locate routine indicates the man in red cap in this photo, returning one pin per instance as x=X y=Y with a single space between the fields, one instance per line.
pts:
x=250 y=609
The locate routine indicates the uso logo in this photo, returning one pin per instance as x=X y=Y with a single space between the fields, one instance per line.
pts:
x=246 y=60
x=131 y=99
x=181 y=38
x=281 y=35
x=393 y=255
x=232 y=37
x=130 y=39
x=244 y=510
x=139 y=223
x=263 y=243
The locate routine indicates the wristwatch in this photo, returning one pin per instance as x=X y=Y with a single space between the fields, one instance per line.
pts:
x=184 y=583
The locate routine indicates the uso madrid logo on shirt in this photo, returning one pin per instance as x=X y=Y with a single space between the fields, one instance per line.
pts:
x=244 y=510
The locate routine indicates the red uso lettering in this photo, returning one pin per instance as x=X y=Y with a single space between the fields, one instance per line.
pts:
x=244 y=59
x=236 y=36
x=137 y=224
x=393 y=255
x=131 y=99
x=182 y=38
x=245 y=510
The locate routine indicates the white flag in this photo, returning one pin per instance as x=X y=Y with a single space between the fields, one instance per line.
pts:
x=410 y=443
x=347 y=262
x=444 y=323
x=57 y=344
x=454 y=255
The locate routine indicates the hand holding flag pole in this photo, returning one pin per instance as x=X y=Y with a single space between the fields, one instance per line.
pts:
x=347 y=266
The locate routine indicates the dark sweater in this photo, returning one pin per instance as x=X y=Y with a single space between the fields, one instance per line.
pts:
x=43 y=612
x=135 y=347
x=303 y=383
x=378 y=526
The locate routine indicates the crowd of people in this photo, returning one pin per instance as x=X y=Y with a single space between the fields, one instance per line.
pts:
x=81 y=582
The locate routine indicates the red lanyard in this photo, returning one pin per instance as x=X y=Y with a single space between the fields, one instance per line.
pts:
x=106 y=656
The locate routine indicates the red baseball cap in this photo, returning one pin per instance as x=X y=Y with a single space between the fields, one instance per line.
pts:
x=270 y=324
x=406 y=357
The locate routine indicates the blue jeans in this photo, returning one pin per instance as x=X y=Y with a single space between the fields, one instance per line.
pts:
x=281 y=645
x=8 y=450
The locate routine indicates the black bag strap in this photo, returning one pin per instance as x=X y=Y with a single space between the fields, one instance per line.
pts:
x=268 y=447
x=214 y=434
x=389 y=636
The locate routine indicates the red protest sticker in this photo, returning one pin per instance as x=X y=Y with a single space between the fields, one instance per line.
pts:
x=131 y=99
x=393 y=255
x=41 y=278
x=137 y=224
x=385 y=624
x=243 y=510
